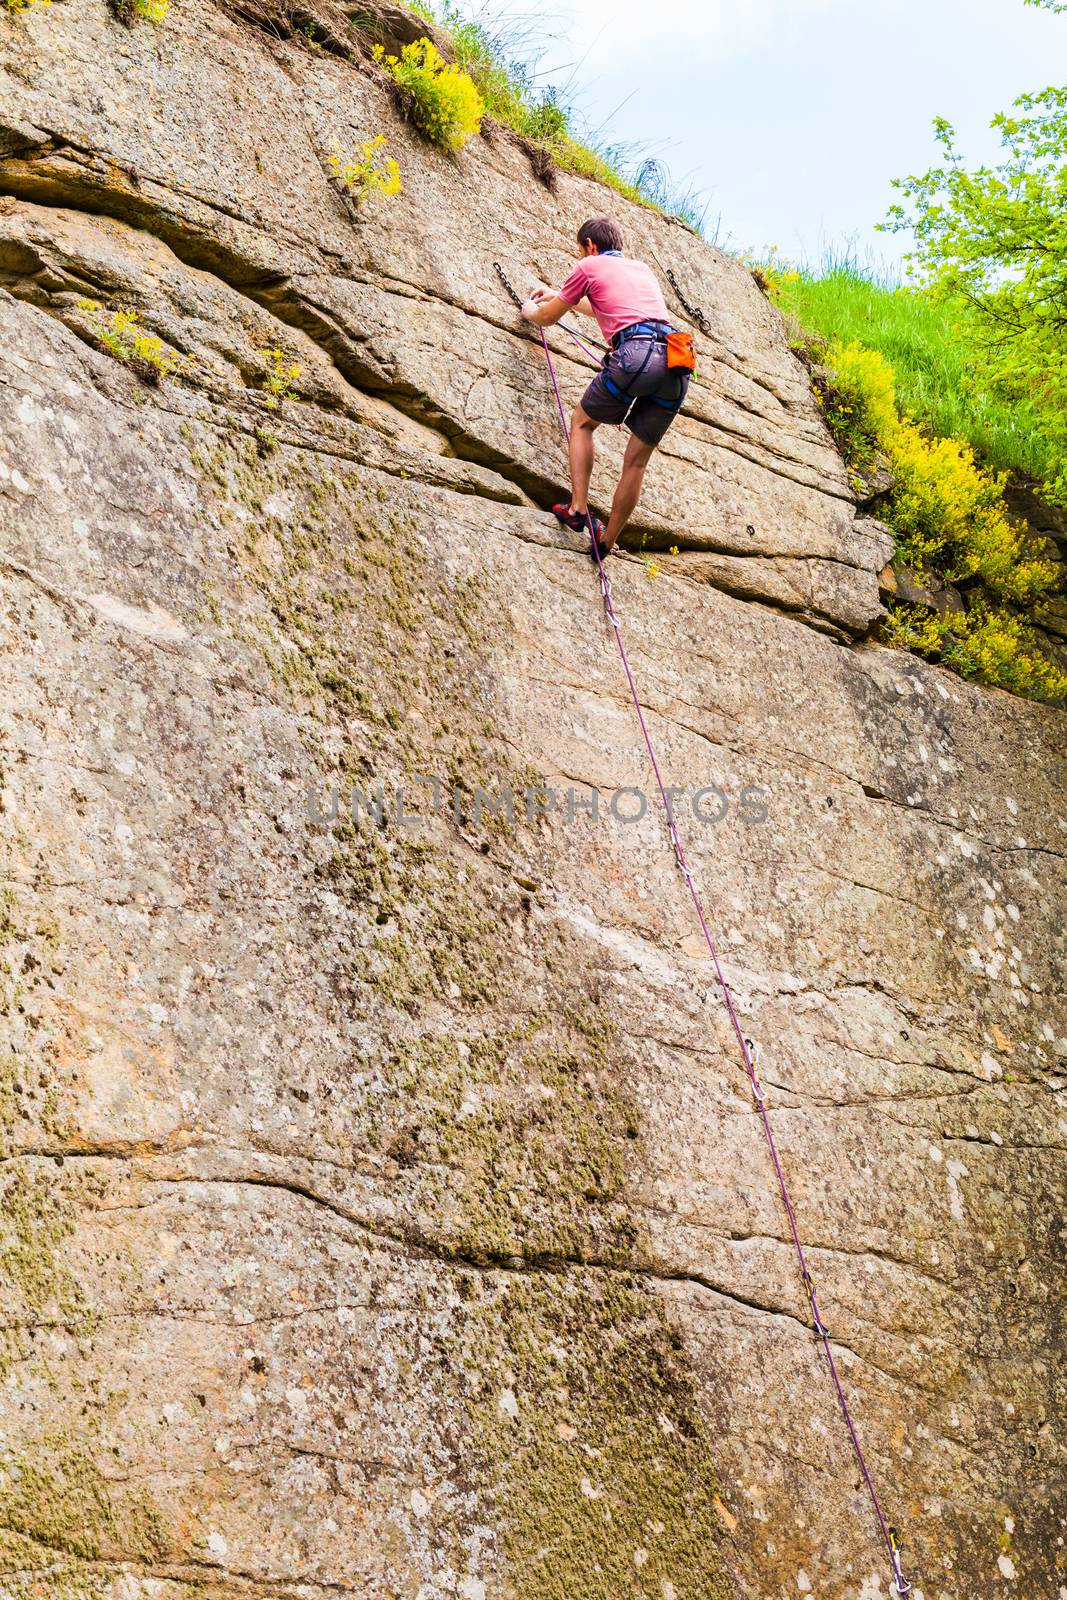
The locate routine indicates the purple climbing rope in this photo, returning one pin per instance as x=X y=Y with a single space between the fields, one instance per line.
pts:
x=748 y=1049
x=564 y=327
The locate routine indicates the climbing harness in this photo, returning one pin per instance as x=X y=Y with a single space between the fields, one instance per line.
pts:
x=625 y=393
x=654 y=334
x=680 y=348
x=749 y=1050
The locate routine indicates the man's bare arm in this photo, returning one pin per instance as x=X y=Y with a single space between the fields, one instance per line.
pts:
x=544 y=312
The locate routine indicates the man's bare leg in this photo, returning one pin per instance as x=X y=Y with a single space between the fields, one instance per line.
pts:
x=582 y=452
x=628 y=490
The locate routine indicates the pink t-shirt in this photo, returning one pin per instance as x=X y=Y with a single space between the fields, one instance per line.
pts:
x=620 y=291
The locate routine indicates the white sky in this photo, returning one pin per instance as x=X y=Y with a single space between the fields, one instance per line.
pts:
x=794 y=115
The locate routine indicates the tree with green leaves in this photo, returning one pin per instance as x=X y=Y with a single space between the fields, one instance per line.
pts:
x=994 y=240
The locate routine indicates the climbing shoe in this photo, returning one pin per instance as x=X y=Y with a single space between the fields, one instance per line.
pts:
x=577 y=521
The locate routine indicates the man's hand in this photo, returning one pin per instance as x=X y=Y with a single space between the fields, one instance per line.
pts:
x=544 y=307
x=536 y=297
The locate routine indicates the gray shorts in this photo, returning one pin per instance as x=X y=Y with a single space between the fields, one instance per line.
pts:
x=652 y=392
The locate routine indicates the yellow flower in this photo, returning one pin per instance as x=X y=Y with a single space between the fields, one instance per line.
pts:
x=446 y=105
x=367 y=171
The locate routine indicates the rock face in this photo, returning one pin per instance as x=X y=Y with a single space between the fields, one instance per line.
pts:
x=385 y=1212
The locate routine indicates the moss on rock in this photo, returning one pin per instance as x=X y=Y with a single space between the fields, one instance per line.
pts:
x=522 y=1134
x=590 y=1442
x=59 y=1502
x=498 y=1093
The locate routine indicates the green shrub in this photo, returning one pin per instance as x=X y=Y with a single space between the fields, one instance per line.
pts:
x=951 y=524
x=367 y=171
x=995 y=239
x=939 y=368
x=982 y=643
x=15 y=7
x=280 y=375
x=445 y=103
x=122 y=336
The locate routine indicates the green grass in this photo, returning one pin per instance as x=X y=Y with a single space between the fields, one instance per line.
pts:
x=897 y=382
x=930 y=348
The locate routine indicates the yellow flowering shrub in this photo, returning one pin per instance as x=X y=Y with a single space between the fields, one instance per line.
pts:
x=949 y=516
x=951 y=525
x=281 y=376
x=774 y=275
x=122 y=336
x=128 y=11
x=445 y=103
x=947 y=512
x=863 y=381
x=984 y=643
x=367 y=170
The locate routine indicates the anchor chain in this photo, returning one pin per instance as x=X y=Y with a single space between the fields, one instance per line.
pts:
x=693 y=312
x=508 y=285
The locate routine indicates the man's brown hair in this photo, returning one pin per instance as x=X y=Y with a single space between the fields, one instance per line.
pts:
x=601 y=232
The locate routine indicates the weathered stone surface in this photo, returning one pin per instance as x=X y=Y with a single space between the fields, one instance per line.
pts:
x=402 y=309
x=833 y=595
x=1052 y=616
x=897 y=579
x=414 y=1235
x=872 y=483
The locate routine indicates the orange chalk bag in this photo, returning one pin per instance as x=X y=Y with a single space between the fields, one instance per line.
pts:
x=680 y=351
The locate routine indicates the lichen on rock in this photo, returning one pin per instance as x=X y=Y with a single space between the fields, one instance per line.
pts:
x=590 y=1440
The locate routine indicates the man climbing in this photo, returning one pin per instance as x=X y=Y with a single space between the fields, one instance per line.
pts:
x=639 y=383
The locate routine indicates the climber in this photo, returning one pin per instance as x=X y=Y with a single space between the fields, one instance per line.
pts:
x=643 y=380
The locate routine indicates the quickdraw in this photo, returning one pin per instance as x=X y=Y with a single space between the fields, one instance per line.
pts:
x=820 y=1327
x=752 y=1062
x=749 y=1052
x=901 y=1584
